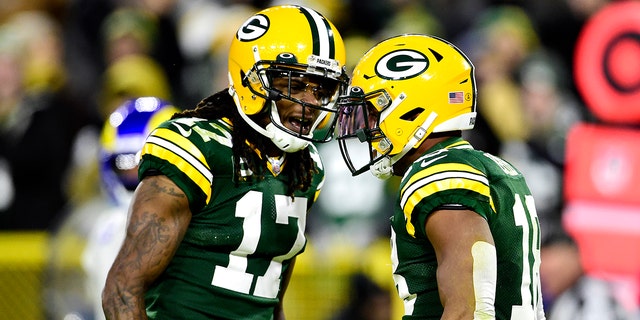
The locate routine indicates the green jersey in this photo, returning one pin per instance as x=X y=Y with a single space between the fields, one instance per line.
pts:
x=452 y=173
x=242 y=235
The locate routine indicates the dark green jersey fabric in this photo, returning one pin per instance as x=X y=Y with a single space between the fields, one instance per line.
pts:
x=242 y=236
x=453 y=173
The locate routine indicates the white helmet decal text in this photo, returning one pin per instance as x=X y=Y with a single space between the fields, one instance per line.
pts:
x=401 y=64
x=254 y=28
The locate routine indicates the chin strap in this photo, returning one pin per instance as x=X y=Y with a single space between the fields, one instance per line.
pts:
x=383 y=168
x=285 y=141
x=282 y=139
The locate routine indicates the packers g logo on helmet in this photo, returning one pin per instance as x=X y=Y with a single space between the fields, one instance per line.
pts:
x=401 y=64
x=253 y=28
x=294 y=42
x=402 y=90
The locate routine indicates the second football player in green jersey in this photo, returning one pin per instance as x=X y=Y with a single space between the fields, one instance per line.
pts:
x=465 y=233
x=452 y=172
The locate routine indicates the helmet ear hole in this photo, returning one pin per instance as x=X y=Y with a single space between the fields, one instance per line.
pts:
x=436 y=54
x=412 y=115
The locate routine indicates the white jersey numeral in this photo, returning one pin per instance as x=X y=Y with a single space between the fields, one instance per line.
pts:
x=531 y=307
x=235 y=276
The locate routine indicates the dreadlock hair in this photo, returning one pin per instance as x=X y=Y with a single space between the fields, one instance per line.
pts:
x=300 y=166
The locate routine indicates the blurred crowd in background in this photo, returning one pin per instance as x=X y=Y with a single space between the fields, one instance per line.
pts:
x=65 y=65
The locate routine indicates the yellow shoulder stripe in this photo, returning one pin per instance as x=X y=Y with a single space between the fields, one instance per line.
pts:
x=182 y=153
x=438 y=178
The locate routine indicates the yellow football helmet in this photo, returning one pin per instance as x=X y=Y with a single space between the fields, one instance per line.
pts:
x=287 y=42
x=402 y=90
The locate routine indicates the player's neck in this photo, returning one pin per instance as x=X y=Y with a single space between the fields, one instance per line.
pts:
x=401 y=166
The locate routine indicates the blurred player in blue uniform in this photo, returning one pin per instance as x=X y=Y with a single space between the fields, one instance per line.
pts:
x=86 y=243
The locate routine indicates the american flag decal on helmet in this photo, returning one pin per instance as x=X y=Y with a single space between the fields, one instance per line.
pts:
x=456 y=97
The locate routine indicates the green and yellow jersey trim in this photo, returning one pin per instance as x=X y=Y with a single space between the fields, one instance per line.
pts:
x=438 y=178
x=182 y=153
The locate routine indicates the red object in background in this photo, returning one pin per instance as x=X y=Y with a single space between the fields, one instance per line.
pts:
x=608 y=236
x=607 y=63
x=602 y=167
x=603 y=164
x=602 y=204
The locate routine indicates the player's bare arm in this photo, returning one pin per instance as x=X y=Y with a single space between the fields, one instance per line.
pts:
x=278 y=313
x=158 y=220
x=466 y=263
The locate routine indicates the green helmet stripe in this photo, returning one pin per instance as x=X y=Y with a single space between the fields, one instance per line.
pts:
x=323 y=41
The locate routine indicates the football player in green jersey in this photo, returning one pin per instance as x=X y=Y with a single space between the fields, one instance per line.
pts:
x=220 y=212
x=465 y=235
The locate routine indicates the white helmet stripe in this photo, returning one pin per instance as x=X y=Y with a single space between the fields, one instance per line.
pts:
x=323 y=43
